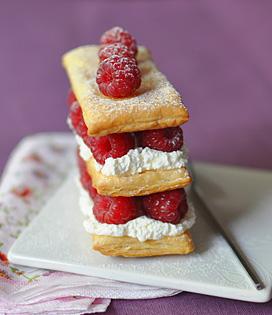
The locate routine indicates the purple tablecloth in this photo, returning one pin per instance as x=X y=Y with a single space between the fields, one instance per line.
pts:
x=217 y=53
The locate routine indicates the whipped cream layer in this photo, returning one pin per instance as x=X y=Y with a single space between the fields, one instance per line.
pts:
x=84 y=151
x=142 y=228
x=136 y=160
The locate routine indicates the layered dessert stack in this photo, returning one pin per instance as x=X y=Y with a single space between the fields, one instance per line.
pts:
x=126 y=118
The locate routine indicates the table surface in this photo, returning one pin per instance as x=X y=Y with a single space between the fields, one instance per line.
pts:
x=216 y=53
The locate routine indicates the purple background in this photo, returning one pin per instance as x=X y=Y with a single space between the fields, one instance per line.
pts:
x=217 y=53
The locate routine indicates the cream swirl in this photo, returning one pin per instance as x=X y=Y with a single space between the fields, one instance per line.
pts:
x=136 y=160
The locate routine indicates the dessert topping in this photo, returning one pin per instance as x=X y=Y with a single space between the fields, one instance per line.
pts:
x=118 y=77
x=119 y=35
x=117 y=49
x=114 y=145
x=167 y=206
x=166 y=139
x=115 y=210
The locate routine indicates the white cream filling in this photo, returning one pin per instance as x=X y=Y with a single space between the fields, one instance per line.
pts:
x=142 y=228
x=136 y=160
x=84 y=151
x=139 y=160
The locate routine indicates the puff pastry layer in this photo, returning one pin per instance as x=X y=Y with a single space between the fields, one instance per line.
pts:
x=156 y=103
x=131 y=247
x=145 y=183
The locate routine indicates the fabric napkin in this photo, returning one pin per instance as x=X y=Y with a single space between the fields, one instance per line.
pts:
x=35 y=169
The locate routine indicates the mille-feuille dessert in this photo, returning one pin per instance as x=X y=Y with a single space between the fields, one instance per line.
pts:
x=126 y=117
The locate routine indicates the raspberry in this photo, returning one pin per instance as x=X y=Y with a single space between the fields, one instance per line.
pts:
x=85 y=178
x=167 y=139
x=114 y=145
x=114 y=49
x=118 y=77
x=119 y=35
x=168 y=206
x=77 y=120
x=71 y=98
x=115 y=210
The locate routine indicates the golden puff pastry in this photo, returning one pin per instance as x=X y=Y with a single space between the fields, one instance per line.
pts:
x=131 y=247
x=155 y=105
x=145 y=183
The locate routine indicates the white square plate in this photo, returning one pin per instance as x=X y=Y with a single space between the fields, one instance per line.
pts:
x=240 y=198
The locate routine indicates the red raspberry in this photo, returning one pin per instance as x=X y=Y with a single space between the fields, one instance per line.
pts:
x=71 y=98
x=166 y=139
x=85 y=178
x=118 y=77
x=77 y=120
x=117 y=49
x=114 y=145
x=119 y=35
x=167 y=206
x=115 y=210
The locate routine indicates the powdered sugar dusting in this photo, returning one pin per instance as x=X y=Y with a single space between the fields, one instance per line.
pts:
x=155 y=95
